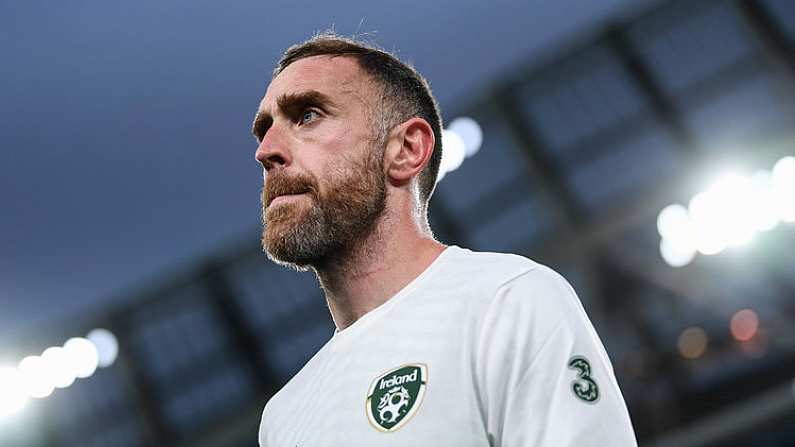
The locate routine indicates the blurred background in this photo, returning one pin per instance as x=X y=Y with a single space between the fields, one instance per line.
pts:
x=644 y=149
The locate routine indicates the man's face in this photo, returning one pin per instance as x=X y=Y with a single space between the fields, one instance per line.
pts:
x=324 y=183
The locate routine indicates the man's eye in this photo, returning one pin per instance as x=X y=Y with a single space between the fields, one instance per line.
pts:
x=308 y=116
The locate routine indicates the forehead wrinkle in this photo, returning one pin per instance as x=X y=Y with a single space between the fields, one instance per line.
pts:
x=357 y=94
x=334 y=74
x=341 y=77
x=365 y=90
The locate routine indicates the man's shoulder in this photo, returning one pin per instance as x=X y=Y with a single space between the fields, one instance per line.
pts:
x=489 y=276
x=492 y=267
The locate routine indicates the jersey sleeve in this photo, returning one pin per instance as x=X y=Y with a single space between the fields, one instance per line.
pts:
x=543 y=377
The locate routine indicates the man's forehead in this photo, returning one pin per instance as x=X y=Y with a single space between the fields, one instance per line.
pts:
x=335 y=76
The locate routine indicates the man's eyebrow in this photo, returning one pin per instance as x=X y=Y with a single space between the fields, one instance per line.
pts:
x=262 y=122
x=292 y=101
x=290 y=104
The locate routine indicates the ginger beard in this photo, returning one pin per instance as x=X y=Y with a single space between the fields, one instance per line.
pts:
x=328 y=220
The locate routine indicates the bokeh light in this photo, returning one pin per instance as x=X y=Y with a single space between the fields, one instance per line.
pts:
x=704 y=212
x=58 y=367
x=453 y=151
x=12 y=392
x=762 y=209
x=744 y=325
x=462 y=139
x=470 y=132
x=83 y=356
x=692 y=343
x=783 y=181
x=728 y=214
x=673 y=222
x=36 y=381
x=720 y=214
x=678 y=245
x=106 y=344
x=734 y=194
x=676 y=255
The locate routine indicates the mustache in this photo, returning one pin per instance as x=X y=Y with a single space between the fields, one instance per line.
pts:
x=278 y=184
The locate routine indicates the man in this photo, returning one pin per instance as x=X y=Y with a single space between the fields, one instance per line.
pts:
x=435 y=345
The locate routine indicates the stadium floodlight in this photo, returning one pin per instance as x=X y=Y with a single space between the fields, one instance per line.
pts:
x=106 y=344
x=678 y=244
x=783 y=181
x=710 y=236
x=728 y=213
x=734 y=194
x=470 y=132
x=453 y=151
x=762 y=209
x=12 y=392
x=720 y=214
x=673 y=222
x=58 y=366
x=676 y=255
x=82 y=356
x=35 y=380
x=462 y=139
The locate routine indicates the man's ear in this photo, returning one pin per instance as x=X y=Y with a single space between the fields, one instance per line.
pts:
x=409 y=148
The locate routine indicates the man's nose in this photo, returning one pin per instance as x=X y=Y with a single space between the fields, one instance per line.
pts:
x=272 y=151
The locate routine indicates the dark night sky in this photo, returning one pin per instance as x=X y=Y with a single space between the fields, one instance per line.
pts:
x=124 y=126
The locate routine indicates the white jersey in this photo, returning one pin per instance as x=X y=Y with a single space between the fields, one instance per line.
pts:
x=481 y=349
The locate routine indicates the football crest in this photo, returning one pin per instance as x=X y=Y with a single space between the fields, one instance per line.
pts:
x=395 y=396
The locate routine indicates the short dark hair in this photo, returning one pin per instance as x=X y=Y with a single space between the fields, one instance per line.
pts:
x=405 y=93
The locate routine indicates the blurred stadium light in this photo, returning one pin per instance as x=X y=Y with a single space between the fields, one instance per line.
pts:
x=57 y=367
x=693 y=342
x=12 y=395
x=728 y=214
x=105 y=345
x=460 y=140
x=37 y=381
x=83 y=356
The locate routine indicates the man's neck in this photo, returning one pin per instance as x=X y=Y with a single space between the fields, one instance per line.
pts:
x=371 y=273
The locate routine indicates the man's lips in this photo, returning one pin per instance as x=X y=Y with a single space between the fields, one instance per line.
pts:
x=285 y=198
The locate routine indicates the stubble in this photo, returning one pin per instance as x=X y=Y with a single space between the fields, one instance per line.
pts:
x=337 y=218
